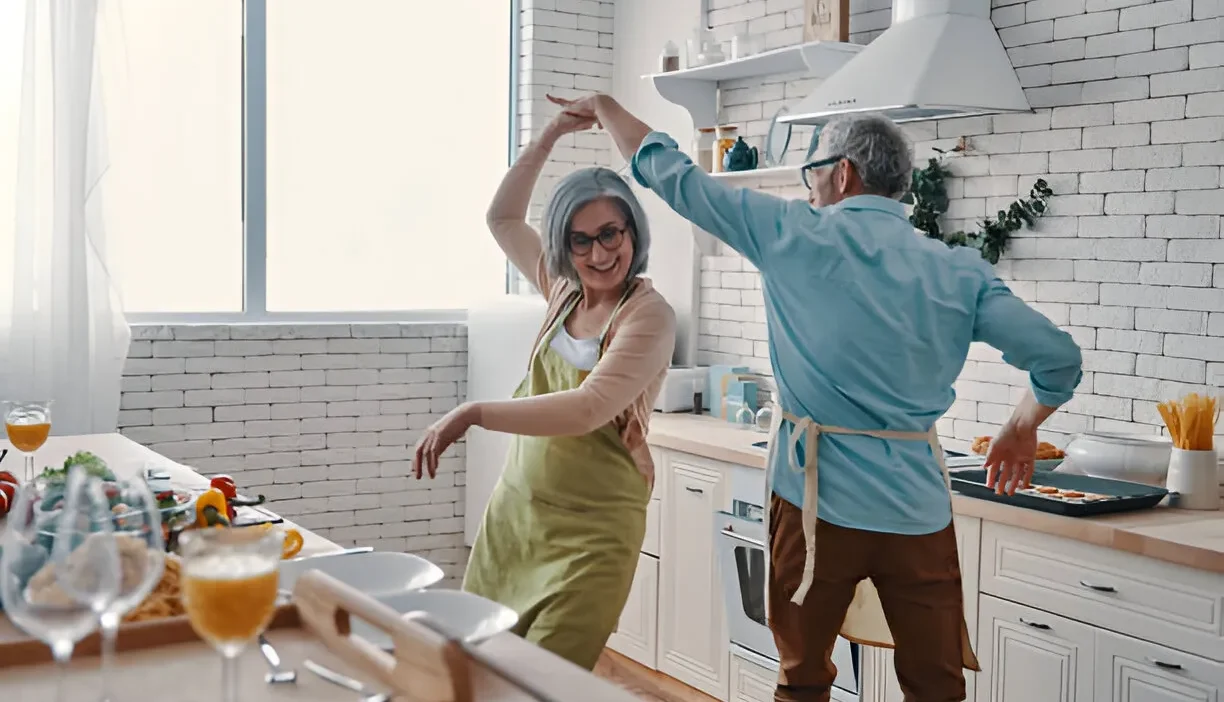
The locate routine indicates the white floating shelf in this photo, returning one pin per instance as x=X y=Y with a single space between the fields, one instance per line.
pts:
x=696 y=89
x=774 y=175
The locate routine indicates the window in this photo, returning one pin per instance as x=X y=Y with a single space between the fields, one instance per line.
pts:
x=323 y=159
x=386 y=138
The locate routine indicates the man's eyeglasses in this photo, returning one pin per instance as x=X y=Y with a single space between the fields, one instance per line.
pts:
x=610 y=239
x=829 y=161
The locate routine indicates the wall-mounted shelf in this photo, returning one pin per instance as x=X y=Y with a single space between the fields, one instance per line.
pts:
x=696 y=89
x=775 y=175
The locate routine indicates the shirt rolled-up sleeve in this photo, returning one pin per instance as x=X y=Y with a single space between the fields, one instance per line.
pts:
x=749 y=221
x=1031 y=342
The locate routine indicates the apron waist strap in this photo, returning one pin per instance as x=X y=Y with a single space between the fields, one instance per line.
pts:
x=805 y=427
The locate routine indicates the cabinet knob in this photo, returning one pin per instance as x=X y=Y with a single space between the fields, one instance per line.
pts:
x=1098 y=588
x=1035 y=625
x=698 y=491
x=1162 y=664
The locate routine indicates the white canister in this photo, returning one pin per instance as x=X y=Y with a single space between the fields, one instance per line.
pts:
x=1192 y=475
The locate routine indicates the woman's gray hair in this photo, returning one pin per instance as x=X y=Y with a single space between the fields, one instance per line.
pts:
x=577 y=190
x=877 y=148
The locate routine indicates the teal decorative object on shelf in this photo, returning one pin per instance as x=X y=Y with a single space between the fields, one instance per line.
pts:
x=741 y=157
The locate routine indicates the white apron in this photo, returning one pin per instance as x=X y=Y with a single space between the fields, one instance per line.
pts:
x=865 y=622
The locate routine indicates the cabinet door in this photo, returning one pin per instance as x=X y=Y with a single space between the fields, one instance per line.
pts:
x=751 y=682
x=1130 y=670
x=1029 y=655
x=635 y=635
x=693 y=642
x=968 y=549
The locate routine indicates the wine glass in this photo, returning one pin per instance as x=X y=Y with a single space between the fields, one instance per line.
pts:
x=48 y=597
x=230 y=585
x=28 y=425
x=142 y=556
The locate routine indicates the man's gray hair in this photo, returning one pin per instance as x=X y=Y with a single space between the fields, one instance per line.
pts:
x=577 y=190
x=877 y=148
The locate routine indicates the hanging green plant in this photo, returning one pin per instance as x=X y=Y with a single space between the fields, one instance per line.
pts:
x=930 y=191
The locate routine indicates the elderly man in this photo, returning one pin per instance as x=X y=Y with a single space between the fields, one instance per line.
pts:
x=869 y=327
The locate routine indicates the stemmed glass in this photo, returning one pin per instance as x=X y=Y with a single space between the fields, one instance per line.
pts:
x=58 y=562
x=28 y=425
x=142 y=557
x=230 y=581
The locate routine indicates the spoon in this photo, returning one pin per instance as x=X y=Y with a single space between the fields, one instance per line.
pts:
x=277 y=675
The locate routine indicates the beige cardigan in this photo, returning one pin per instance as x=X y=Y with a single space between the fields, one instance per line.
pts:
x=621 y=388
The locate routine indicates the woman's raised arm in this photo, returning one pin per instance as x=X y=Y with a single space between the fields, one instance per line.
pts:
x=507 y=215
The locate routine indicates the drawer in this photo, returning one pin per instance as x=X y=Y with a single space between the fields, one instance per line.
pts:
x=751 y=682
x=1130 y=669
x=1152 y=600
x=650 y=544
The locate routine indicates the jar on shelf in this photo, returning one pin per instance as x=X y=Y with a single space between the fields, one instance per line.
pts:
x=669 y=58
x=705 y=148
x=725 y=139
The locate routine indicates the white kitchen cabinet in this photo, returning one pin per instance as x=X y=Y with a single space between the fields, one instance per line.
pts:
x=693 y=640
x=1130 y=670
x=1031 y=656
x=636 y=633
x=751 y=682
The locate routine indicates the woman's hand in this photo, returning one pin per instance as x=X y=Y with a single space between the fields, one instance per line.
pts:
x=585 y=107
x=440 y=436
x=569 y=121
x=1009 y=462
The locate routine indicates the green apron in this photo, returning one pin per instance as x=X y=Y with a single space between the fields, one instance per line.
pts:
x=560 y=537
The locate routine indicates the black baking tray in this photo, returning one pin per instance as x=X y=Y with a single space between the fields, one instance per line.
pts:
x=1131 y=496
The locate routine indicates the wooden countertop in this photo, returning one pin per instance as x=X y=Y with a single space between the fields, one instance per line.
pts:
x=167 y=667
x=1188 y=538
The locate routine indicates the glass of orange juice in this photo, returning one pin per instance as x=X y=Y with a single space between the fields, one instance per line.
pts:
x=230 y=583
x=28 y=425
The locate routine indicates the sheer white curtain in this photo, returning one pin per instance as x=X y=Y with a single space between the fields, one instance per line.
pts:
x=63 y=336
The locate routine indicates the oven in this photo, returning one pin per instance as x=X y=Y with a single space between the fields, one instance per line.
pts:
x=742 y=556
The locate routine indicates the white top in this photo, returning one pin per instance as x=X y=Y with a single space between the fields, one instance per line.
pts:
x=580 y=353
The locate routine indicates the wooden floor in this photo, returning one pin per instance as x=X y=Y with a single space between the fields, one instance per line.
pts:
x=643 y=683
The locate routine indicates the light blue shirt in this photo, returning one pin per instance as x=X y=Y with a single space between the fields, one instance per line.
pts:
x=869 y=326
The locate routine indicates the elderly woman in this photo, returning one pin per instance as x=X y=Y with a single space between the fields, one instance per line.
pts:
x=561 y=534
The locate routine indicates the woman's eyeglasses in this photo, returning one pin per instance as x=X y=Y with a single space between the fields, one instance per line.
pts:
x=610 y=239
x=829 y=161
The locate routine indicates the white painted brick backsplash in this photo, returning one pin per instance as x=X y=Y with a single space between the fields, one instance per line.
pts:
x=1129 y=129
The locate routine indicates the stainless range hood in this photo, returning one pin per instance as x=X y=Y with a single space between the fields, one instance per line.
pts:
x=938 y=59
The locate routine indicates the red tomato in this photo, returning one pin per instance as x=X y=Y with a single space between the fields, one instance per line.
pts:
x=225 y=485
x=7 y=477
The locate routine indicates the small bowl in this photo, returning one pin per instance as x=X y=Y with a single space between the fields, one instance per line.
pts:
x=374 y=572
x=469 y=617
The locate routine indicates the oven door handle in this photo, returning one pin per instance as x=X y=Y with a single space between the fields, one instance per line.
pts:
x=745 y=539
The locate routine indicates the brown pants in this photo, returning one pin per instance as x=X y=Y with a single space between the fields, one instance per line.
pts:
x=919 y=582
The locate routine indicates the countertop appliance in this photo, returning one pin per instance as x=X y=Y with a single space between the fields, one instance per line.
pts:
x=740 y=536
x=676 y=394
x=500 y=337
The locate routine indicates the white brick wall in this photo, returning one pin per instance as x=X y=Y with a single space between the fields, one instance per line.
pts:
x=1129 y=130
x=319 y=418
x=566 y=50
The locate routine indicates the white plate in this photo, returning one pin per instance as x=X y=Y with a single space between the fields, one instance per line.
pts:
x=373 y=572
x=469 y=617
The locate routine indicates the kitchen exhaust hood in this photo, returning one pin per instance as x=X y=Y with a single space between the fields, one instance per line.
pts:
x=938 y=59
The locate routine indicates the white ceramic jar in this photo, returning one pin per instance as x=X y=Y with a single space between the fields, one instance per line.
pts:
x=1136 y=458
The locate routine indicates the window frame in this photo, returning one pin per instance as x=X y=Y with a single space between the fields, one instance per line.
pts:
x=255 y=202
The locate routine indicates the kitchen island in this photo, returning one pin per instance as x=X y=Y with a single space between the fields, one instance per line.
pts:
x=190 y=671
x=1120 y=607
